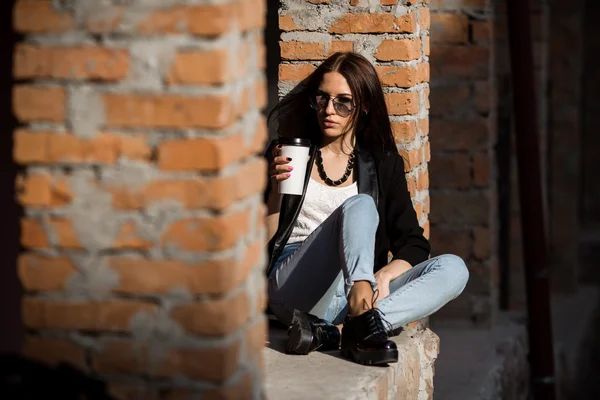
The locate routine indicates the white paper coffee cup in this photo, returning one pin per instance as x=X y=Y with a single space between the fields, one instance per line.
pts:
x=297 y=149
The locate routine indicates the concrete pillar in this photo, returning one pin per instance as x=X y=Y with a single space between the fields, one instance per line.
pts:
x=143 y=236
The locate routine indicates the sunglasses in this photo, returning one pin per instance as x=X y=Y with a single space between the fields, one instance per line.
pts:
x=343 y=106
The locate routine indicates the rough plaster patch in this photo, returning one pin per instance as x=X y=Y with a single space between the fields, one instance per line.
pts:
x=94 y=279
x=313 y=18
x=150 y=60
x=128 y=173
x=85 y=111
x=92 y=214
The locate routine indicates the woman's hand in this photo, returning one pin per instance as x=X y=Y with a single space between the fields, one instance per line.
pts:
x=387 y=274
x=278 y=169
x=383 y=279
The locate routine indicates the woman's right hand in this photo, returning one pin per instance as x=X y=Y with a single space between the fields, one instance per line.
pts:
x=279 y=170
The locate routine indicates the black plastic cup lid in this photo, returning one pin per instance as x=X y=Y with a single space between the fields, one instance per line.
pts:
x=288 y=141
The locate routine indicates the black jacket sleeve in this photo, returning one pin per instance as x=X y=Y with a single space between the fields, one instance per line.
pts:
x=405 y=235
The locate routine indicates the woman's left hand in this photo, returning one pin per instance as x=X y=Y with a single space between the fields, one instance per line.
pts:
x=387 y=274
x=383 y=279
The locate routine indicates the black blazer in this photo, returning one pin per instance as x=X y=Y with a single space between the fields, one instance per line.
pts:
x=382 y=177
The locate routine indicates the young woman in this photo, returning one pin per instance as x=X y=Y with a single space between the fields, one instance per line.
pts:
x=329 y=247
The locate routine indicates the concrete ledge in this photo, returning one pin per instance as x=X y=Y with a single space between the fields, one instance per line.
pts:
x=328 y=376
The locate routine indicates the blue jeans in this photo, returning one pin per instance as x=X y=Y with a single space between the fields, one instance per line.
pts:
x=316 y=275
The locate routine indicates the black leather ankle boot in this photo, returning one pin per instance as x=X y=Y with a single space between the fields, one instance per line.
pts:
x=366 y=341
x=309 y=333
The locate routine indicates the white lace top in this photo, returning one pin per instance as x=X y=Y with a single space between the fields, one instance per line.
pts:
x=320 y=201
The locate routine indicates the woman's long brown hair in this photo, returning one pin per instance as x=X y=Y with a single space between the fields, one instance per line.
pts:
x=372 y=128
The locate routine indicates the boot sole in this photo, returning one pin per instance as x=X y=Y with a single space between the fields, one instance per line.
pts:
x=378 y=357
x=299 y=338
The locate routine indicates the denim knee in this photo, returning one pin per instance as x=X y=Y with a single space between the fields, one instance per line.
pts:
x=457 y=273
x=361 y=204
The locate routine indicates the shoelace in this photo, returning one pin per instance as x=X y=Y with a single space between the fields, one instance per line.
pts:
x=376 y=322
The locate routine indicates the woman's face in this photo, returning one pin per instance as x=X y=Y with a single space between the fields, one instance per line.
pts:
x=334 y=105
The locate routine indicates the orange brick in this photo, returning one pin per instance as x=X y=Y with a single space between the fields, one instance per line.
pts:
x=204 y=154
x=68 y=148
x=424 y=18
x=260 y=93
x=423 y=180
x=65 y=234
x=374 y=23
x=226 y=190
x=412 y=159
x=219 y=317
x=39 y=16
x=54 y=351
x=412 y=185
x=405 y=132
x=402 y=103
x=110 y=316
x=47 y=147
x=340 y=46
x=141 y=276
x=419 y=210
x=427 y=46
x=204 y=19
x=33 y=234
x=134 y=147
x=423 y=72
x=312 y=51
x=256 y=336
x=197 y=193
x=207 y=234
x=30 y=147
x=39 y=103
x=398 y=76
x=42 y=273
x=399 y=50
x=87 y=62
x=34 y=190
x=168 y=111
x=216 y=67
x=426 y=229
x=294 y=72
x=424 y=126
x=252 y=15
x=286 y=23
x=128 y=238
x=302 y=51
x=127 y=357
x=449 y=28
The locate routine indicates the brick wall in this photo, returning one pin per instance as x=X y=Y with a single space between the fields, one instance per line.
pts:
x=140 y=123
x=394 y=36
x=463 y=186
